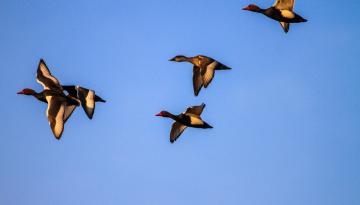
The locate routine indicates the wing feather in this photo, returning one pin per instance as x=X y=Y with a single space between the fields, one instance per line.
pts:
x=69 y=109
x=196 y=110
x=55 y=113
x=197 y=80
x=87 y=99
x=44 y=77
x=176 y=130
x=208 y=73
x=284 y=4
x=285 y=26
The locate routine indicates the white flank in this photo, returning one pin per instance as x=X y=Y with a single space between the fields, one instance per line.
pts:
x=287 y=14
x=196 y=121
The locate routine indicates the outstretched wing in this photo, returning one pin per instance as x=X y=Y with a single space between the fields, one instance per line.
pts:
x=176 y=130
x=45 y=78
x=208 y=73
x=197 y=80
x=196 y=110
x=284 y=4
x=55 y=113
x=285 y=26
x=87 y=99
x=69 y=109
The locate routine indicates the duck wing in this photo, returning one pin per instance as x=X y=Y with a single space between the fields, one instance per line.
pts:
x=196 y=110
x=69 y=109
x=87 y=99
x=284 y=4
x=285 y=26
x=197 y=80
x=44 y=77
x=208 y=72
x=176 y=130
x=56 y=114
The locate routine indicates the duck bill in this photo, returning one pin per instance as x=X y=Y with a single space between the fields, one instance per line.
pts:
x=158 y=115
x=246 y=8
x=173 y=59
x=20 y=93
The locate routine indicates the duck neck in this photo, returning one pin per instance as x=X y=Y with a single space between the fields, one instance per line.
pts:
x=260 y=10
x=185 y=59
x=169 y=115
x=39 y=96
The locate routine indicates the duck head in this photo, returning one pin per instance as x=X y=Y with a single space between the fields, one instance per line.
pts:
x=163 y=114
x=26 y=91
x=179 y=58
x=252 y=7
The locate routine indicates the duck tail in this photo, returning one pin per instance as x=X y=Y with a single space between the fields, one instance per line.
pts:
x=99 y=99
x=206 y=125
x=223 y=67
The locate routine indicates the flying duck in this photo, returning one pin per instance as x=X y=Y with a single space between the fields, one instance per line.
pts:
x=60 y=107
x=281 y=11
x=189 y=118
x=86 y=97
x=203 y=70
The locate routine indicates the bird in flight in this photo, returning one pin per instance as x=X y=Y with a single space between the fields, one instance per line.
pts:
x=189 y=118
x=203 y=70
x=60 y=106
x=281 y=11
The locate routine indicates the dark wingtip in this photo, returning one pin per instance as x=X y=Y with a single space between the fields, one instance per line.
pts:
x=224 y=67
x=99 y=99
x=172 y=141
x=227 y=68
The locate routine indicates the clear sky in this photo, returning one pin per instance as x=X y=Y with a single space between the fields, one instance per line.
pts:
x=286 y=117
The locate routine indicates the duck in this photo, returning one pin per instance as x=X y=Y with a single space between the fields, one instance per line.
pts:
x=281 y=11
x=203 y=70
x=60 y=107
x=86 y=97
x=189 y=118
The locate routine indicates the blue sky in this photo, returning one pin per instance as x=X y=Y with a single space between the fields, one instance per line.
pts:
x=286 y=117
